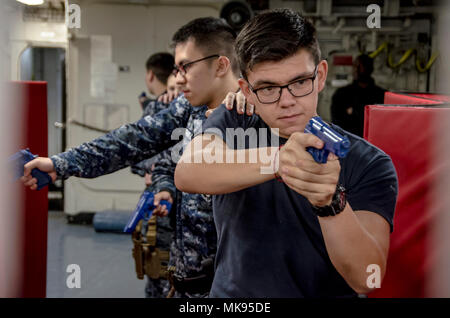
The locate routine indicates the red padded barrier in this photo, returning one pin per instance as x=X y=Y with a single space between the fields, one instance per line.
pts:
x=33 y=100
x=435 y=97
x=391 y=98
x=406 y=135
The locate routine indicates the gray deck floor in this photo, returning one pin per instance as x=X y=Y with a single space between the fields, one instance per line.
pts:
x=105 y=261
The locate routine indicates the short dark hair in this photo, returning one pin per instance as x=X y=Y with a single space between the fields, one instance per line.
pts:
x=161 y=64
x=212 y=36
x=275 y=35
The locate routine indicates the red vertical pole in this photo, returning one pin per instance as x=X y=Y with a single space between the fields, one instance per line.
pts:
x=35 y=203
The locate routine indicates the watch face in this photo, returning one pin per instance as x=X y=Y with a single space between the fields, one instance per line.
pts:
x=336 y=206
x=342 y=200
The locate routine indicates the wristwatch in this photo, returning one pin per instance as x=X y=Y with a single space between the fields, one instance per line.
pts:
x=337 y=204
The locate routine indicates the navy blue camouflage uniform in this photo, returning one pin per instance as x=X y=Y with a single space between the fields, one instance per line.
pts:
x=150 y=107
x=159 y=287
x=124 y=146
x=195 y=232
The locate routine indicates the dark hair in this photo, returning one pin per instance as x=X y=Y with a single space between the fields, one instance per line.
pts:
x=161 y=64
x=212 y=36
x=275 y=35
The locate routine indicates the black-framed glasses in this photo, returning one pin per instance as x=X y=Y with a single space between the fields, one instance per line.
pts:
x=184 y=67
x=298 y=88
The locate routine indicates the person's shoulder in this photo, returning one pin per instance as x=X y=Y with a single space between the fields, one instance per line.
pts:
x=369 y=177
x=153 y=106
x=177 y=111
x=231 y=118
x=148 y=102
x=180 y=101
x=341 y=94
x=361 y=151
x=199 y=111
x=221 y=113
x=220 y=118
x=344 y=89
x=180 y=105
x=379 y=90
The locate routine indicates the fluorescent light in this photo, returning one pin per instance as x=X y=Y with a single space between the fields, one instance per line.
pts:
x=31 y=2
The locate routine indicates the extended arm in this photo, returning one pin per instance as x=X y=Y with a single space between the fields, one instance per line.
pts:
x=144 y=167
x=208 y=166
x=122 y=147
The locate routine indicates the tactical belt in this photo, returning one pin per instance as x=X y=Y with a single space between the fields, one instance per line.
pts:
x=193 y=285
x=199 y=284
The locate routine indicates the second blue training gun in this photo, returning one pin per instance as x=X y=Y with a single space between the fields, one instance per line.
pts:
x=144 y=210
x=19 y=159
x=334 y=142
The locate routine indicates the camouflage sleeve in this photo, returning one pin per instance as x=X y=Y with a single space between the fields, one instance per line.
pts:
x=162 y=175
x=137 y=169
x=145 y=166
x=151 y=108
x=126 y=145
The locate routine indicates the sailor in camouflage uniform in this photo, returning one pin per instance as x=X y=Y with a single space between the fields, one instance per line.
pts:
x=157 y=287
x=194 y=224
x=158 y=78
x=159 y=166
x=193 y=249
x=206 y=72
x=159 y=67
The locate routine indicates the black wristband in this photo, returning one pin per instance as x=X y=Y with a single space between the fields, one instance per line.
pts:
x=336 y=206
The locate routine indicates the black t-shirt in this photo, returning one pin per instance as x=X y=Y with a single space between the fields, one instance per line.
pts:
x=270 y=242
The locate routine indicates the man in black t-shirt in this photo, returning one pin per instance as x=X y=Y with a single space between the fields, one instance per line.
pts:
x=320 y=230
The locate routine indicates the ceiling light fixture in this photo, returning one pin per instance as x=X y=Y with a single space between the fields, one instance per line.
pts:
x=31 y=2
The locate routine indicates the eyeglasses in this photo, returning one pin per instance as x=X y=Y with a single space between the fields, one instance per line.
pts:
x=298 y=88
x=184 y=67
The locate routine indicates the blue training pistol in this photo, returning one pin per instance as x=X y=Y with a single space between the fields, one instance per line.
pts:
x=144 y=210
x=334 y=142
x=19 y=159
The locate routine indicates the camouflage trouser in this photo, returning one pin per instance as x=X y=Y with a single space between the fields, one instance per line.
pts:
x=157 y=288
x=187 y=295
